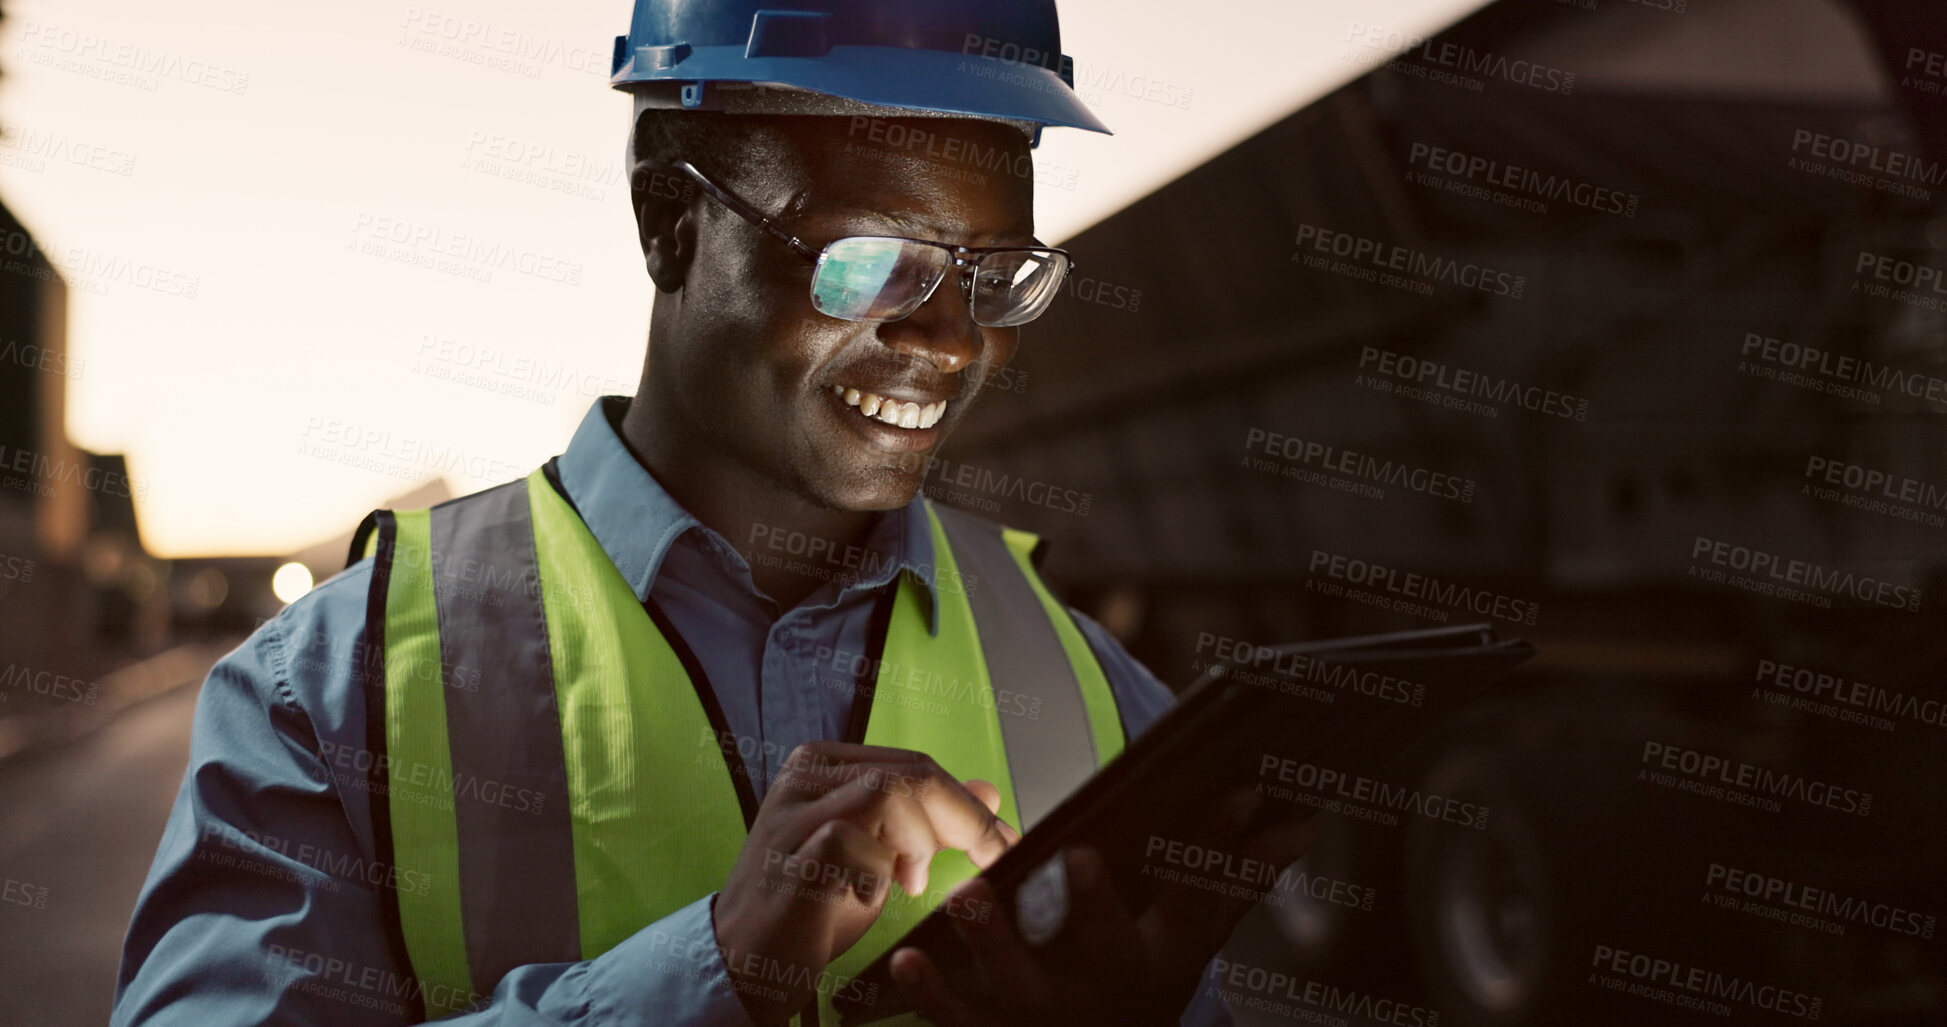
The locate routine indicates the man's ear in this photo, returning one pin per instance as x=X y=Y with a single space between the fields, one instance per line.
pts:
x=662 y=198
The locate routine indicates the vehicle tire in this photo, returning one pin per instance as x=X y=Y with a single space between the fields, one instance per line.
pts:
x=1485 y=903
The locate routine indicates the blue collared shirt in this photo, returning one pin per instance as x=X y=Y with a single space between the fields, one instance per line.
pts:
x=263 y=903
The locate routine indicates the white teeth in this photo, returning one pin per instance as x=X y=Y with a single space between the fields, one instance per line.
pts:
x=898 y=413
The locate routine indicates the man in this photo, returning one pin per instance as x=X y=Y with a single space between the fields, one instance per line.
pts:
x=695 y=721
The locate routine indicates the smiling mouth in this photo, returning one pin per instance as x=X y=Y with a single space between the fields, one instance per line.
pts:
x=898 y=413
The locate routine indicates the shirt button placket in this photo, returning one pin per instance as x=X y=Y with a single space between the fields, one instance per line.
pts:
x=785 y=704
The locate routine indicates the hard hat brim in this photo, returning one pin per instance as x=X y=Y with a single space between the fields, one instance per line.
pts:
x=915 y=79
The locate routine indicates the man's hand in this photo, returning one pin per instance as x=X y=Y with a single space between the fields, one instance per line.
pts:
x=838 y=826
x=1104 y=967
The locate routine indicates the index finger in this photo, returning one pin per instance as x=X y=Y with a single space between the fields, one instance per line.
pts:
x=958 y=818
x=966 y=815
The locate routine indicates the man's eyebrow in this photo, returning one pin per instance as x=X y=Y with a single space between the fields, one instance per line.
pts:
x=916 y=227
x=919 y=228
x=905 y=221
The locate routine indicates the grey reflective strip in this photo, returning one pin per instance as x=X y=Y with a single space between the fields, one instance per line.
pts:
x=510 y=784
x=1050 y=749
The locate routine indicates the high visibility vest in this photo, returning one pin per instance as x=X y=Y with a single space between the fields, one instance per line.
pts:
x=552 y=772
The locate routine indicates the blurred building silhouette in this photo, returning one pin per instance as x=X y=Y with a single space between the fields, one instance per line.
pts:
x=77 y=589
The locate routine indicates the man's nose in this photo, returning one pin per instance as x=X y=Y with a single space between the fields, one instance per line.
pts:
x=942 y=331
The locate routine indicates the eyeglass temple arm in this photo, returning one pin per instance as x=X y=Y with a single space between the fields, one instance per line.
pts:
x=746 y=211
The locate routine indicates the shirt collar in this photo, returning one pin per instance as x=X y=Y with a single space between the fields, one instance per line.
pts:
x=636 y=520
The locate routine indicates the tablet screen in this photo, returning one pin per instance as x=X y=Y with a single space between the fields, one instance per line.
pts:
x=1277 y=719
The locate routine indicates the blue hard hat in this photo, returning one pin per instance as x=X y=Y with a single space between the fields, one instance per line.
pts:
x=980 y=58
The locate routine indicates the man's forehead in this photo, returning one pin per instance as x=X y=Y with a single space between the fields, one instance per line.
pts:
x=835 y=175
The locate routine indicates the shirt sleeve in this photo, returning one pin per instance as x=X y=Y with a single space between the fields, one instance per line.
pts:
x=1140 y=699
x=265 y=901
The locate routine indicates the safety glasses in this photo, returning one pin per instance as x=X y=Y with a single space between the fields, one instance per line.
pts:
x=885 y=278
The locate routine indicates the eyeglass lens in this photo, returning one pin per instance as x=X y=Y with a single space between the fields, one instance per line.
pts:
x=872 y=278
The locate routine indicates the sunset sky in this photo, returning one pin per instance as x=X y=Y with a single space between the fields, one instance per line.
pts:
x=225 y=184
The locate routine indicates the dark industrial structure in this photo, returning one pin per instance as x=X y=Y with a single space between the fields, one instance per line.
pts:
x=1622 y=325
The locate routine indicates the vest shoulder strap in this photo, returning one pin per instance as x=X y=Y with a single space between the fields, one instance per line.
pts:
x=1064 y=724
x=365 y=537
x=462 y=757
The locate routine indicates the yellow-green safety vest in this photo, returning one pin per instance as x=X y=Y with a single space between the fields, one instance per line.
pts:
x=554 y=773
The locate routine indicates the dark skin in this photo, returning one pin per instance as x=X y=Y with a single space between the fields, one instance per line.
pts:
x=735 y=417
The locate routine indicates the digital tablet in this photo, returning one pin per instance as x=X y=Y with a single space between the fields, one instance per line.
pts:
x=1295 y=722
